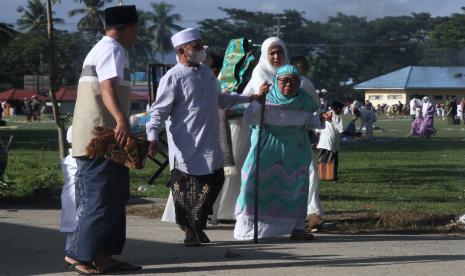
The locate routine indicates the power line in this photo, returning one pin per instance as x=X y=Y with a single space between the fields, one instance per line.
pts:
x=280 y=24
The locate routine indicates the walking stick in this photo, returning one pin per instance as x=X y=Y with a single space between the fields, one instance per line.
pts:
x=257 y=171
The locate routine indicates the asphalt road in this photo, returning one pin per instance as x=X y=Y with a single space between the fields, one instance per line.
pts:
x=30 y=244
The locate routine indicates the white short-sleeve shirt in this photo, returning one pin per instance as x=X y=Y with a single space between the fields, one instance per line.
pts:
x=109 y=59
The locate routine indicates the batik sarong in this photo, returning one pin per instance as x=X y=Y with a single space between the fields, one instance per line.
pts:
x=194 y=197
x=327 y=165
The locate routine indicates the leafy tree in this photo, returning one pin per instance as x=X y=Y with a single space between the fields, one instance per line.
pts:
x=93 y=17
x=238 y=23
x=7 y=33
x=164 y=22
x=34 y=17
x=447 y=43
x=141 y=52
x=23 y=56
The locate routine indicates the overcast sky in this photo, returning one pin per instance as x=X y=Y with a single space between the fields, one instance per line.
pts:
x=195 y=10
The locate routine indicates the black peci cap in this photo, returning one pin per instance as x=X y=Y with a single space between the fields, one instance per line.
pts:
x=119 y=15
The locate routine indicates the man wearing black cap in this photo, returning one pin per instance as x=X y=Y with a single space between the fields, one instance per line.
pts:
x=102 y=186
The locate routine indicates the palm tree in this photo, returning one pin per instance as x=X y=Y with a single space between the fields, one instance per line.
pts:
x=141 y=52
x=6 y=33
x=93 y=17
x=164 y=23
x=34 y=17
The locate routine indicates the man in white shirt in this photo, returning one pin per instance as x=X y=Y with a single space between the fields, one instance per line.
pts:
x=330 y=137
x=102 y=186
x=415 y=107
x=328 y=144
x=189 y=97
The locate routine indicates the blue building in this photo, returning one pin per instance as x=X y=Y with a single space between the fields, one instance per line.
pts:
x=433 y=81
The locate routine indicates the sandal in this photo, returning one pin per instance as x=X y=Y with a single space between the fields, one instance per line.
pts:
x=323 y=226
x=301 y=235
x=192 y=239
x=203 y=237
x=73 y=267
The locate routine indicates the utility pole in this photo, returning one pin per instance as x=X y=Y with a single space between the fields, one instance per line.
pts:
x=280 y=24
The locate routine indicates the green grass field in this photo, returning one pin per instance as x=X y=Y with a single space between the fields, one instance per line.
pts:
x=391 y=173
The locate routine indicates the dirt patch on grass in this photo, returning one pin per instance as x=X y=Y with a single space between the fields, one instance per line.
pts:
x=392 y=221
x=395 y=221
x=152 y=211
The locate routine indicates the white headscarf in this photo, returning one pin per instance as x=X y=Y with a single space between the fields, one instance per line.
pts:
x=265 y=71
x=426 y=105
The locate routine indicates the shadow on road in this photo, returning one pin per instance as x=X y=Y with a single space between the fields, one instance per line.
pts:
x=27 y=250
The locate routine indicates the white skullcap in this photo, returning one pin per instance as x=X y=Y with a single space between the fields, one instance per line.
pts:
x=69 y=134
x=185 y=36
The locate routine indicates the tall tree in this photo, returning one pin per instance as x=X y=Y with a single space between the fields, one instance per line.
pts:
x=164 y=22
x=447 y=43
x=7 y=32
x=93 y=17
x=34 y=17
x=238 y=23
x=141 y=52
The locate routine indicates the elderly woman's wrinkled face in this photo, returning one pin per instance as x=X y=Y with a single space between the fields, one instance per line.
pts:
x=288 y=84
x=276 y=55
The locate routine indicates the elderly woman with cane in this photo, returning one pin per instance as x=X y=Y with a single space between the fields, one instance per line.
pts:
x=284 y=157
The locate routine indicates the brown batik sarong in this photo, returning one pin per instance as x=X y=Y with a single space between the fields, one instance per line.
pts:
x=194 y=196
x=327 y=165
x=132 y=155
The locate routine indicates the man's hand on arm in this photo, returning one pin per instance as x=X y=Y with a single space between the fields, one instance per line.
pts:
x=261 y=96
x=110 y=101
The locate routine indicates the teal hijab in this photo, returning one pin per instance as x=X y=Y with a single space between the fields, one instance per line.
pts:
x=300 y=100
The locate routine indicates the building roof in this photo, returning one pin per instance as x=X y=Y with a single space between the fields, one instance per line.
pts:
x=418 y=77
x=65 y=94
x=16 y=94
x=69 y=94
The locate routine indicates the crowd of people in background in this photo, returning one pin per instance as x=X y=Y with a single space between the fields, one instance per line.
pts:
x=451 y=109
x=31 y=107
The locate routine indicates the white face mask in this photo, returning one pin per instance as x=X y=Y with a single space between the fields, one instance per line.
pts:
x=197 y=56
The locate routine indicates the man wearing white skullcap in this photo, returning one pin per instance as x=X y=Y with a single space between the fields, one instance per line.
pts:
x=189 y=96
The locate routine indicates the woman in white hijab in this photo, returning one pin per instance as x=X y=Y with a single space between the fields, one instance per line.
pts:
x=426 y=126
x=273 y=55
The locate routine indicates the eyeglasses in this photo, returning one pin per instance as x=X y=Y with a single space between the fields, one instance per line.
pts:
x=291 y=81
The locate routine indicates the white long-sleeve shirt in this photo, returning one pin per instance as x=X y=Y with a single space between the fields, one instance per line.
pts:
x=415 y=107
x=189 y=97
x=330 y=137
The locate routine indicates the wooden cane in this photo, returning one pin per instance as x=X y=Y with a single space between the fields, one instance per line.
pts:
x=257 y=171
